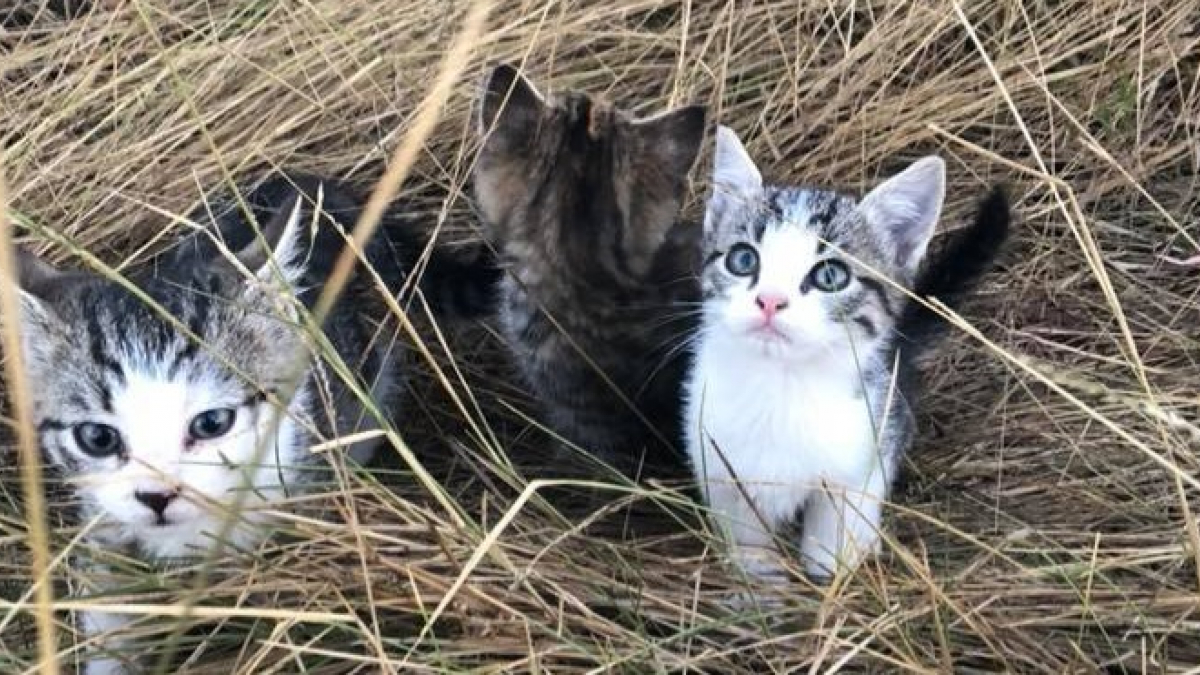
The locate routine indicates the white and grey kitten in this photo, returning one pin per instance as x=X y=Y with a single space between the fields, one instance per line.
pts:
x=159 y=427
x=799 y=400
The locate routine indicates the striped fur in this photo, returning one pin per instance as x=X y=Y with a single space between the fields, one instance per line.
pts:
x=229 y=337
x=582 y=199
x=799 y=403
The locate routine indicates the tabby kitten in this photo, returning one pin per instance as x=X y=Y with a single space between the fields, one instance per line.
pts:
x=582 y=200
x=159 y=427
x=800 y=398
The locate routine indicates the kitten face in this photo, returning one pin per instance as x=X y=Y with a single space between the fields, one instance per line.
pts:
x=157 y=433
x=569 y=182
x=795 y=273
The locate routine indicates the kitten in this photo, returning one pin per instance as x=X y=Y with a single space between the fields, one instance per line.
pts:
x=582 y=200
x=803 y=381
x=157 y=431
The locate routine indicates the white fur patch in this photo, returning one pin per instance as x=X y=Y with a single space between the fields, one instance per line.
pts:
x=153 y=415
x=786 y=255
x=784 y=410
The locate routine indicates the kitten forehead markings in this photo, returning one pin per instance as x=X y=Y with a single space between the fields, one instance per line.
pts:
x=800 y=390
x=102 y=359
x=143 y=378
x=190 y=382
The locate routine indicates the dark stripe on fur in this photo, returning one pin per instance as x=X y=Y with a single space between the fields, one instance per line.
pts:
x=876 y=286
x=69 y=460
x=257 y=397
x=195 y=323
x=867 y=325
x=51 y=424
x=824 y=217
x=99 y=352
x=760 y=228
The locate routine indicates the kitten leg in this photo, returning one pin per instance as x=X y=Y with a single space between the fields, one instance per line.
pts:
x=751 y=541
x=101 y=630
x=841 y=526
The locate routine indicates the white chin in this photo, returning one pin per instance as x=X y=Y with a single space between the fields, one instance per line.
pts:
x=769 y=339
x=771 y=345
x=762 y=335
x=194 y=537
x=173 y=541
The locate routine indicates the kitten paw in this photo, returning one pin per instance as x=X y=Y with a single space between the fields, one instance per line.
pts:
x=749 y=601
x=761 y=564
x=102 y=666
x=821 y=565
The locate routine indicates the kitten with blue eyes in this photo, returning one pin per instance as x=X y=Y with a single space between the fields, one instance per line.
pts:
x=799 y=401
x=162 y=421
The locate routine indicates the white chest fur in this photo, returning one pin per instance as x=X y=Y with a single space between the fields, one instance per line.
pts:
x=795 y=436
x=782 y=429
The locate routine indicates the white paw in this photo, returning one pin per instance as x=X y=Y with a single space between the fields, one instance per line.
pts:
x=102 y=666
x=821 y=563
x=762 y=564
x=746 y=600
x=766 y=582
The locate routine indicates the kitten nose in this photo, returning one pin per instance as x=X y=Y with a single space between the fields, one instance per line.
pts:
x=771 y=303
x=155 y=501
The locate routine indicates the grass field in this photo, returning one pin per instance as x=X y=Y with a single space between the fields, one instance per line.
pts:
x=1049 y=520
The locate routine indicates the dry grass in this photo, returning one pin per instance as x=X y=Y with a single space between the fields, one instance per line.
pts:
x=1049 y=523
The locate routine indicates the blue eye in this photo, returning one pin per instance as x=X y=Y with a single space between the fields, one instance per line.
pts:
x=98 y=440
x=212 y=423
x=829 y=276
x=741 y=260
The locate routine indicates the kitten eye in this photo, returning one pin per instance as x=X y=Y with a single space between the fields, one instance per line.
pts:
x=212 y=423
x=829 y=276
x=98 y=440
x=741 y=260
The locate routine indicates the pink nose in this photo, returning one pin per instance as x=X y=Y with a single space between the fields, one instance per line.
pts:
x=771 y=303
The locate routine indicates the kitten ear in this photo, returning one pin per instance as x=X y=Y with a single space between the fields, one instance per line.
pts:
x=673 y=137
x=736 y=180
x=278 y=256
x=732 y=166
x=37 y=280
x=510 y=104
x=905 y=208
x=34 y=275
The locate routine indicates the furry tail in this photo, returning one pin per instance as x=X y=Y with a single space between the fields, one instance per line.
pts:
x=953 y=273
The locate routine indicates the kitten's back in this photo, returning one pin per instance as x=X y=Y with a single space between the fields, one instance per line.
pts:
x=452 y=286
x=583 y=200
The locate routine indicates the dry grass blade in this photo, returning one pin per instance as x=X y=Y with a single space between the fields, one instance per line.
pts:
x=30 y=454
x=1048 y=525
x=427 y=115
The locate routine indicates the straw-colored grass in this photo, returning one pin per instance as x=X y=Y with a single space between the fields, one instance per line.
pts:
x=1048 y=523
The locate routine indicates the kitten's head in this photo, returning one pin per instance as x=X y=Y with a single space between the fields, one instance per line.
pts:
x=570 y=182
x=799 y=273
x=157 y=432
